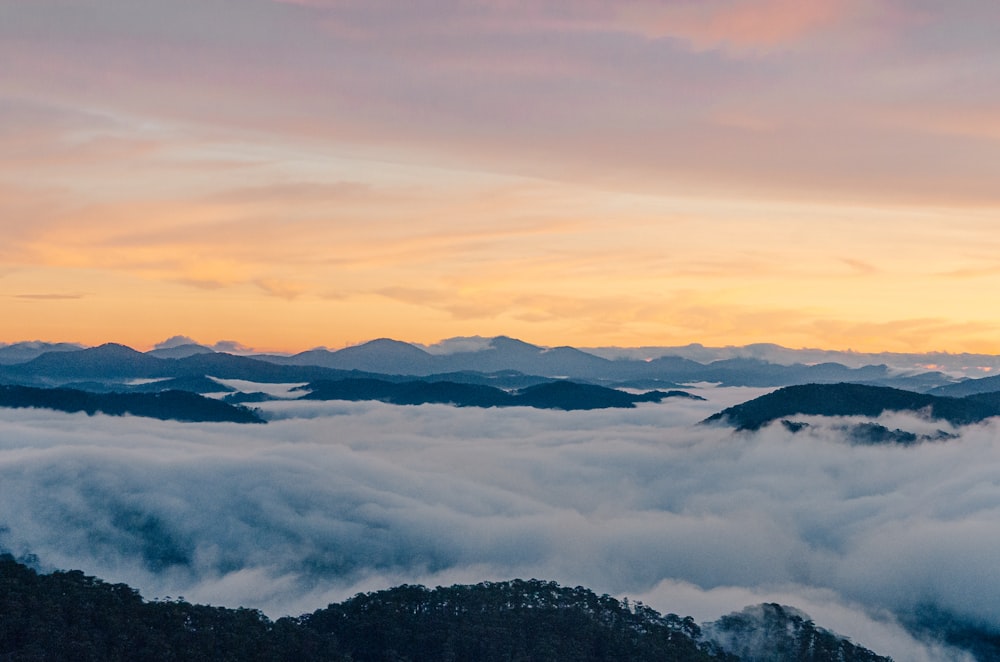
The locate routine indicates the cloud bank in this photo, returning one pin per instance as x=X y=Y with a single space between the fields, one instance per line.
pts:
x=333 y=498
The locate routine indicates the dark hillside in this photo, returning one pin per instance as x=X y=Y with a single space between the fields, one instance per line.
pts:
x=774 y=633
x=164 y=405
x=504 y=621
x=71 y=617
x=850 y=400
x=93 y=363
x=570 y=396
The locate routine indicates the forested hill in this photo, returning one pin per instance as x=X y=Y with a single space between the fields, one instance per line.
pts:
x=70 y=616
x=559 y=394
x=165 y=405
x=853 y=400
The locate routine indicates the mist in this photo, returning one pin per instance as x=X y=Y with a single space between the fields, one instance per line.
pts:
x=330 y=499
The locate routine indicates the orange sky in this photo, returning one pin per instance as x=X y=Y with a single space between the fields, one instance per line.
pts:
x=323 y=172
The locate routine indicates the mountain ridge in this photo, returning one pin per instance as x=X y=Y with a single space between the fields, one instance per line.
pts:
x=67 y=615
x=845 y=399
x=501 y=354
x=174 y=405
x=565 y=395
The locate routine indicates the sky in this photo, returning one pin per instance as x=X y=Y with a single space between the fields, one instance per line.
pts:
x=333 y=498
x=300 y=173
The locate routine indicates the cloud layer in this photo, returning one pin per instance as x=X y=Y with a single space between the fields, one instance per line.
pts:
x=332 y=498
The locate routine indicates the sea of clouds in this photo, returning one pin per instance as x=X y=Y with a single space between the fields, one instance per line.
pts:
x=334 y=498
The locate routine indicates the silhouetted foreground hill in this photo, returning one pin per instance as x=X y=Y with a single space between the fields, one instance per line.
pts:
x=200 y=384
x=550 y=395
x=164 y=405
x=70 y=616
x=852 y=400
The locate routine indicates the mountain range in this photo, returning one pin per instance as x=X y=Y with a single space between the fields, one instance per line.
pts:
x=55 y=365
x=491 y=373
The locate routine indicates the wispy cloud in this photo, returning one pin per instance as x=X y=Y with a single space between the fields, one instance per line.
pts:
x=285 y=289
x=52 y=296
x=738 y=25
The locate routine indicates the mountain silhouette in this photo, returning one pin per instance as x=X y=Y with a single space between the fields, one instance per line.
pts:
x=552 y=395
x=502 y=354
x=383 y=355
x=21 y=352
x=574 y=396
x=850 y=400
x=93 y=362
x=777 y=633
x=393 y=360
x=193 y=384
x=111 y=362
x=164 y=405
x=67 y=615
x=197 y=384
x=179 y=351
x=969 y=387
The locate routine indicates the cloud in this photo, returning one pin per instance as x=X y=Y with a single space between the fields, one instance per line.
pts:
x=878 y=631
x=734 y=24
x=333 y=498
x=281 y=288
x=737 y=25
x=232 y=347
x=860 y=267
x=455 y=345
x=586 y=92
x=175 y=341
x=49 y=296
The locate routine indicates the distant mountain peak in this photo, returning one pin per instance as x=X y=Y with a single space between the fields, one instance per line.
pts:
x=112 y=348
x=385 y=342
x=38 y=344
x=508 y=343
x=179 y=351
x=384 y=345
x=21 y=352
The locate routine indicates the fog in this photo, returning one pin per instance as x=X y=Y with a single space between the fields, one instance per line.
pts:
x=330 y=499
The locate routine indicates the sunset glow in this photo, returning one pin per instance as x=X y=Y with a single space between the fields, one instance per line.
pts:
x=297 y=173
